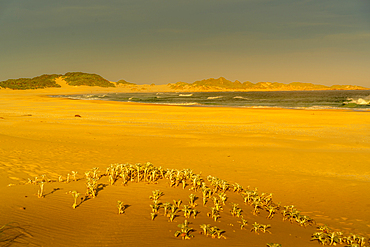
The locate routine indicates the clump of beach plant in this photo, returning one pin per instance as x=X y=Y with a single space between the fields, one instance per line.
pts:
x=153 y=215
x=177 y=203
x=212 y=231
x=192 y=198
x=206 y=193
x=218 y=184
x=166 y=206
x=260 y=227
x=75 y=195
x=223 y=197
x=172 y=215
x=156 y=195
x=155 y=206
x=293 y=215
x=184 y=231
x=273 y=245
x=214 y=214
x=196 y=182
x=187 y=211
x=121 y=207
x=40 y=192
x=237 y=188
x=217 y=204
x=243 y=223
x=194 y=212
x=74 y=173
x=272 y=209
x=92 y=187
x=326 y=236
x=235 y=210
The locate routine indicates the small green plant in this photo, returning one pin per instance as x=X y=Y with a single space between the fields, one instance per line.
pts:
x=272 y=210
x=235 y=210
x=214 y=214
x=121 y=207
x=184 y=231
x=206 y=192
x=273 y=245
x=187 y=211
x=155 y=207
x=153 y=215
x=205 y=228
x=177 y=203
x=75 y=195
x=212 y=231
x=156 y=195
x=263 y=228
x=255 y=227
x=238 y=188
x=222 y=197
x=92 y=186
x=172 y=215
x=243 y=223
x=192 y=198
x=74 y=173
x=40 y=192
x=194 y=212
x=260 y=227
x=166 y=206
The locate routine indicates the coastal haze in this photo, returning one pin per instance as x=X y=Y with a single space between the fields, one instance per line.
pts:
x=321 y=42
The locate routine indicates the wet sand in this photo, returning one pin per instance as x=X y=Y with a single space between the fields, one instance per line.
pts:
x=317 y=160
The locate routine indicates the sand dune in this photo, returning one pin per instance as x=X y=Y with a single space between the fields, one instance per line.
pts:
x=315 y=160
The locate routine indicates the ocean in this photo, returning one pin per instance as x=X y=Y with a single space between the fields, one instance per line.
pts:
x=357 y=100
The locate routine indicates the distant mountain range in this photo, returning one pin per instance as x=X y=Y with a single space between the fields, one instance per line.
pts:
x=220 y=84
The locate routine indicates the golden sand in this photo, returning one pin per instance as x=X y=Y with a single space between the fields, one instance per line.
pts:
x=317 y=160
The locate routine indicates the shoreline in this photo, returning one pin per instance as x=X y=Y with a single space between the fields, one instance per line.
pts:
x=315 y=160
x=197 y=104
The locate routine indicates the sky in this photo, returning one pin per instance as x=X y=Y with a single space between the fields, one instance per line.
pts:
x=165 y=41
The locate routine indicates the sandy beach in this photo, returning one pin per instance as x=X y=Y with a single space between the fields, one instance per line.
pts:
x=316 y=160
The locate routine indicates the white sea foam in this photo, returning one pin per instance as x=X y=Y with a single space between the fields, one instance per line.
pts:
x=186 y=95
x=359 y=101
x=215 y=97
x=240 y=97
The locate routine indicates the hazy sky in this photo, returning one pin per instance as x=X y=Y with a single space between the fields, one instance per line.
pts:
x=162 y=41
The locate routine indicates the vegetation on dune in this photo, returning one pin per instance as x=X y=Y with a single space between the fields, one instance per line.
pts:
x=43 y=81
x=86 y=79
x=125 y=83
x=48 y=81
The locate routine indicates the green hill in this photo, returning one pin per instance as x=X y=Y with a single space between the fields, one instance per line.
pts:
x=86 y=79
x=47 y=81
x=43 y=81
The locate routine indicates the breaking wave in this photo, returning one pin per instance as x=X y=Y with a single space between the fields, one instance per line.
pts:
x=240 y=97
x=358 y=101
x=215 y=97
